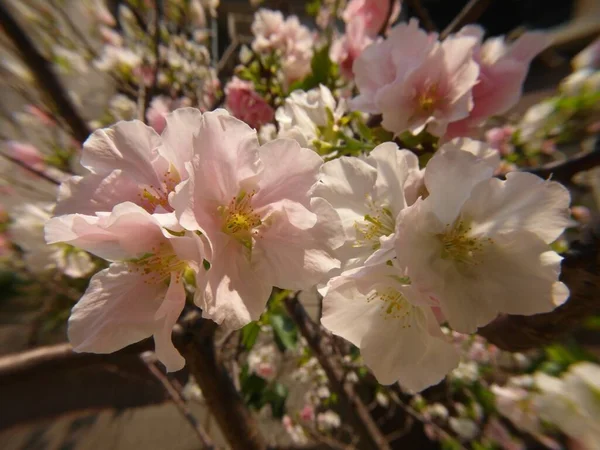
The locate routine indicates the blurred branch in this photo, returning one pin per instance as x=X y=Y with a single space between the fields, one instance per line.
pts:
x=235 y=420
x=422 y=14
x=36 y=172
x=469 y=14
x=42 y=71
x=159 y=11
x=564 y=171
x=350 y=402
x=178 y=400
x=581 y=273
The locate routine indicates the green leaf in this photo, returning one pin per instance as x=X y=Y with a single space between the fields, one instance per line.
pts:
x=286 y=334
x=249 y=335
x=276 y=396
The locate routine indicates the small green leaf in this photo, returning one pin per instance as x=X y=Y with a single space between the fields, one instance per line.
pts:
x=286 y=334
x=249 y=335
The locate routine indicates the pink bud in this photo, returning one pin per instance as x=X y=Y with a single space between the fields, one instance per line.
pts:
x=246 y=104
x=27 y=154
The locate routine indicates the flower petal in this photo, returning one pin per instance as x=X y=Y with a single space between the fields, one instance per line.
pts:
x=167 y=316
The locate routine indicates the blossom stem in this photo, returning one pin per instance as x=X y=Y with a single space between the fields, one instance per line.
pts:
x=469 y=14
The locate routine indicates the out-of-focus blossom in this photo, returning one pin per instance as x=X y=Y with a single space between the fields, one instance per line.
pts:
x=263 y=360
x=503 y=69
x=467 y=372
x=291 y=40
x=27 y=231
x=347 y=48
x=414 y=81
x=69 y=61
x=160 y=106
x=588 y=58
x=572 y=404
x=27 y=154
x=305 y=111
x=197 y=14
x=122 y=107
x=40 y=115
x=328 y=420
x=253 y=205
x=581 y=214
x=295 y=431
x=118 y=58
x=372 y=13
x=515 y=403
x=533 y=125
x=307 y=413
x=246 y=104
x=500 y=138
x=102 y=13
x=496 y=432
x=581 y=82
x=465 y=428
x=473 y=233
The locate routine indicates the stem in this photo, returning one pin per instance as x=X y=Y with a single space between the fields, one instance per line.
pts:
x=423 y=15
x=469 y=14
x=565 y=170
x=42 y=71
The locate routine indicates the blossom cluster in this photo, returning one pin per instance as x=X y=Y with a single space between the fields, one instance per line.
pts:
x=397 y=249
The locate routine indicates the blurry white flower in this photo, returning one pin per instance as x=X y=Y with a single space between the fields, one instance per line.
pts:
x=466 y=429
x=466 y=371
x=328 y=420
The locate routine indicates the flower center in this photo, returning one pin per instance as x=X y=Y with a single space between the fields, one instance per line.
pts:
x=153 y=196
x=459 y=245
x=394 y=306
x=428 y=99
x=373 y=226
x=158 y=264
x=239 y=219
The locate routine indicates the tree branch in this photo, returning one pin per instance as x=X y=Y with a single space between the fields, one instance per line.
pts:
x=235 y=421
x=45 y=77
x=564 y=171
x=469 y=14
x=351 y=404
x=422 y=14
x=581 y=273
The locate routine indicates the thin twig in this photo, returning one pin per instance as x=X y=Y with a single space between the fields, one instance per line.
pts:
x=42 y=71
x=178 y=401
x=36 y=172
x=386 y=22
x=564 y=171
x=422 y=14
x=469 y=14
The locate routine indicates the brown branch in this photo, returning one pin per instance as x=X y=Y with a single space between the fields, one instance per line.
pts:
x=564 y=171
x=159 y=11
x=422 y=14
x=42 y=71
x=581 y=273
x=178 y=401
x=469 y=14
x=388 y=16
x=235 y=420
x=36 y=172
x=350 y=402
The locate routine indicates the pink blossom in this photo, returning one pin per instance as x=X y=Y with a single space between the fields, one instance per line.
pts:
x=27 y=154
x=499 y=138
x=246 y=104
x=254 y=207
x=372 y=13
x=131 y=162
x=160 y=106
x=41 y=115
x=348 y=48
x=503 y=69
x=414 y=81
x=141 y=294
x=307 y=413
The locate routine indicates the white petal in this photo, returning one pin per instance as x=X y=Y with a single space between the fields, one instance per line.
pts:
x=522 y=202
x=178 y=137
x=167 y=316
x=116 y=310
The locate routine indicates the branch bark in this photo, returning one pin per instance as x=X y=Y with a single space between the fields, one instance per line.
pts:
x=42 y=71
x=565 y=171
x=423 y=15
x=235 y=420
x=581 y=273
x=350 y=402
x=469 y=14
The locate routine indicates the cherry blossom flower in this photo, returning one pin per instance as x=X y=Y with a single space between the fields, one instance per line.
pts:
x=141 y=294
x=159 y=107
x=374 y=305
x=254 y=207
x=246 y=104
x=372 y=13
x=572 y=403
x=503 y=69
x=346 y=49
x=27 y=154
x=480 y=245
x=368 y=194
x=414 y=81
x=305 y=111
x=131 y=162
